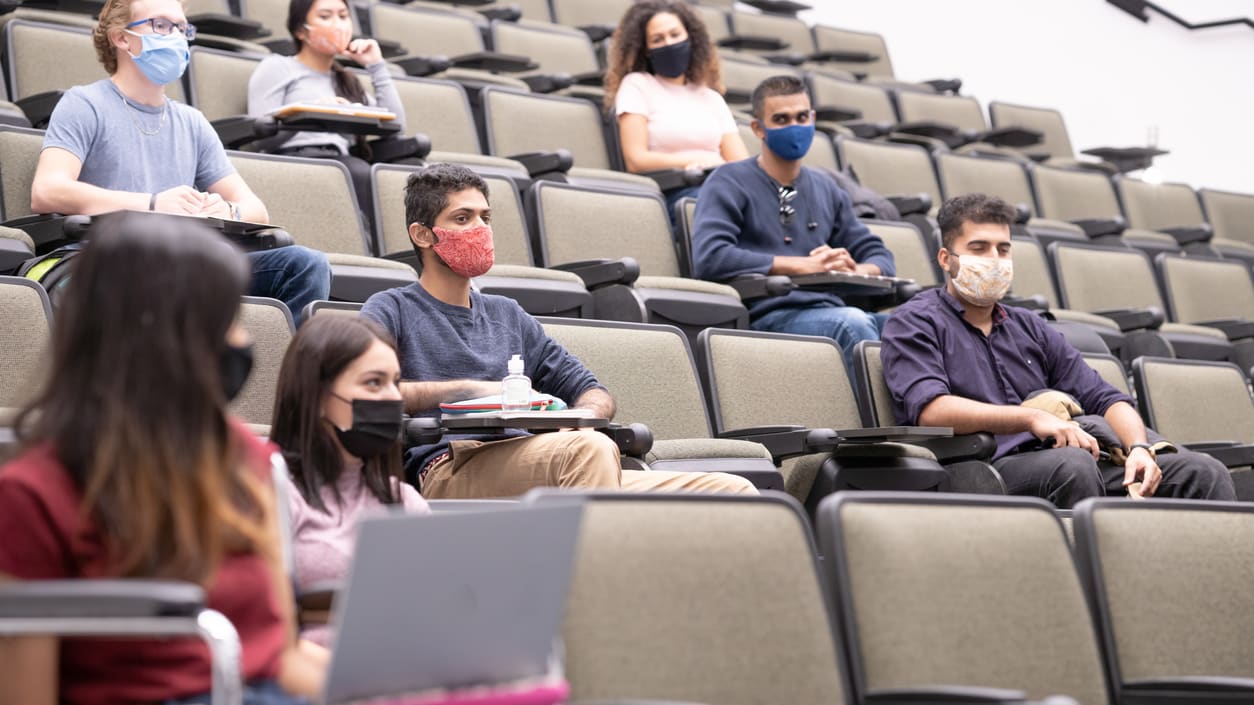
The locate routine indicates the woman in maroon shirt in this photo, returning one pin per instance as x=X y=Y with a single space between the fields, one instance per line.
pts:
x=131 y=468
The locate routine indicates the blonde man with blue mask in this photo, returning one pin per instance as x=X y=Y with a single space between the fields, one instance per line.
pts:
x=121 y=144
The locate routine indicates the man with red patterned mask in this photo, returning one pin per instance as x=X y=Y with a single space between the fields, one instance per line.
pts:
x=455 y=343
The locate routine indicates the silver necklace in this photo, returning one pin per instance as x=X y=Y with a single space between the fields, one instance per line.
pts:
x=165 y=108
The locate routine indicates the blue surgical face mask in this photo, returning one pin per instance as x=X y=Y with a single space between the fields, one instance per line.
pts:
x=792 y=142
x=163 y=58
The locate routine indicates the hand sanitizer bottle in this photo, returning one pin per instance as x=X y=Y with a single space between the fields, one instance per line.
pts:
x=516 y=387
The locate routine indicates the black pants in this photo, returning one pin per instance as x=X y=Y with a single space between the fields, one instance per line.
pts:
x=358 y=169
x=1065 y=476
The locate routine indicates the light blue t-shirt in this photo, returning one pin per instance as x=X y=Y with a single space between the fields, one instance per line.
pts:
x=127 y=146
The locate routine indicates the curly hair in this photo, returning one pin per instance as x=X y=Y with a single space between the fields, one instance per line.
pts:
x=114 y=15
x=629 y=54
x=976 y=208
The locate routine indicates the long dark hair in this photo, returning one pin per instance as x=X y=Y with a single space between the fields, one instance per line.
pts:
x=133 y=402
x=346 y=84
x=628 y=51
x=319 y=352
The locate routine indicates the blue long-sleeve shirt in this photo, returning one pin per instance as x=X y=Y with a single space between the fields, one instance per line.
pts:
x=737 y=229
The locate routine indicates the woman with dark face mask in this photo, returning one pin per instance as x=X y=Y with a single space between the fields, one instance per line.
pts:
x=131 y=468
x=664 y=85
x=337 y=417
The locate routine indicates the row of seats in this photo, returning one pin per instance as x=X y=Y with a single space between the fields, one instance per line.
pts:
x=698 y=406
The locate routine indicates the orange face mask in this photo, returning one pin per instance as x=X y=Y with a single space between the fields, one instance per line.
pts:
x=332 y=39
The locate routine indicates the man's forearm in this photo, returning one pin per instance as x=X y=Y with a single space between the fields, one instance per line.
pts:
x=427 y=396
x=599 y=401
x=1126 y=423
x=969 y=416
x=77 y=198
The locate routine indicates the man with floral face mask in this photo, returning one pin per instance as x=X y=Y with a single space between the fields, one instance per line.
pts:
x=957 y=357
x=771 y=215
x=121 y=144
x=455 y=343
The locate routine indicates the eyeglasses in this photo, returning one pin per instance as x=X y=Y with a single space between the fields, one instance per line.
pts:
x=161 y=25
x=786 y=211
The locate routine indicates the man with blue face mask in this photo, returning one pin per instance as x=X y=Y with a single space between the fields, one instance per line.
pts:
x=771 y=215
x=120 y=143
x=957 y=357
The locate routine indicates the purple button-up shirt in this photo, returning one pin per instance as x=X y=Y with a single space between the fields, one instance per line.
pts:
x=929 y=350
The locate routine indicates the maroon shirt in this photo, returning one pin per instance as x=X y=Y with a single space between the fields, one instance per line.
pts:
x=46 y=537
x=929 y=350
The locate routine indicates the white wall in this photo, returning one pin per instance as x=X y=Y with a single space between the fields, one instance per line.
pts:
x=1112 y=76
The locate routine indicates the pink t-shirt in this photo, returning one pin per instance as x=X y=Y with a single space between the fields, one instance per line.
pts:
x=681 y=117
x=322 y=542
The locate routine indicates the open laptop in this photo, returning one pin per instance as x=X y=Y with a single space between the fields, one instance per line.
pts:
x=451 y=600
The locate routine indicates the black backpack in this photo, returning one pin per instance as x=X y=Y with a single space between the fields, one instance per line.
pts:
x=52 y=270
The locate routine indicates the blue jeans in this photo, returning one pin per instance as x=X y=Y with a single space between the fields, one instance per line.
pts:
x=294 y=275
x=257 y=693
x=845 y=324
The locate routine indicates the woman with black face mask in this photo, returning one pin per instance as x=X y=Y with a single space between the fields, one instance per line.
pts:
x=664 y=85
x=337 y=417
x=132 y=468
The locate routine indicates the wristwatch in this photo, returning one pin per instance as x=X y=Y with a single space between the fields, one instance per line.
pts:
x=1149 y=448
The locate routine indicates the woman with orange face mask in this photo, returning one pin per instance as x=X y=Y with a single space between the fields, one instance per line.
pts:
x=322 y=31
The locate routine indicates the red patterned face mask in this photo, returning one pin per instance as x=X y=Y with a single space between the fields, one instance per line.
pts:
x=467 y=252
x=330 y=39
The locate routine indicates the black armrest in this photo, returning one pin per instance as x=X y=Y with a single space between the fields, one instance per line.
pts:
x=945 y=85
x=597 y=32
x=38 y=107
x=787 y=58
x=1023 y=213
x=927 y=128
x=836 y=113
x=750 y=43
x=537 y=163
x=1190 y=235
x=424 y=65
x=506 y=13
x=847 y=57
x=868 y=130
x=918 y=204
x=1035 y=302
x=47 y=230
x=1196 y=690
x=733 y=95
x=670 y=179
x=240 y=130
x=422 y=431
x=787 y=441
x=549 y=82
x=99 y=599
x=392 y=149
x=1100 y=227
x=1129 y=319
x=756 y=286
x=1017 y=137
x=284 y=45
x=225 y=25
x=1234 y=329
x=494 y=62
x=1230 y=453
x=589 y=78
x=633 y=440
x=944 y=694
x=1126 y=159
x=597 y=273
x=778 y=7
x=971 y=446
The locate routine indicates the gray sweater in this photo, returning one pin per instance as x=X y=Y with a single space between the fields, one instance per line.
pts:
x=438 y=342
x=282 y=80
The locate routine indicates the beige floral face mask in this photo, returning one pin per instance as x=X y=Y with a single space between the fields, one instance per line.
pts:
x=982 y=281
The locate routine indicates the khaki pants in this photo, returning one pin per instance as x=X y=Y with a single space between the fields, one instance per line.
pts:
x=574 y=459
